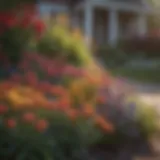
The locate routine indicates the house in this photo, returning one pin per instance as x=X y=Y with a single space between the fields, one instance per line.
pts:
x=103 y=21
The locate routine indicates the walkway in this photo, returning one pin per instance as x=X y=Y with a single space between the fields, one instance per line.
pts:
x=147 y=93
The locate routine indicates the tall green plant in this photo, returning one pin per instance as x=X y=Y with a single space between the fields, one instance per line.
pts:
x=59 y=41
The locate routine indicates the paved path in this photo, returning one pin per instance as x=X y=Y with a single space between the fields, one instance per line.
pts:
x=147 y=93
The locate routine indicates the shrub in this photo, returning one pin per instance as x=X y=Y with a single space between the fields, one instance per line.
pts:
x=148 y=121
x=60 y=41
x=48 y=110
x=132 y=119
x=148 y=45
x=18 y=28
x=112 y=56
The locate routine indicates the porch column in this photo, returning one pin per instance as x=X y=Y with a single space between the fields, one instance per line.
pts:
x=88 y=22
x=113 y=27
x=142 y=24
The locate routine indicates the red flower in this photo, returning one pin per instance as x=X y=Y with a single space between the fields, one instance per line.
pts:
x=3 y=109
x=8 y=19
x=64 y=104
x=71 y=71
x=11 y=123
x=41 y=125
x=31 y=78
x=39 y=26
x=29 y=117
x=45 y=86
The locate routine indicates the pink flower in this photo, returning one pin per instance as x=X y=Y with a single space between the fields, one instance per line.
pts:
x=71 y=71
x=50 y=71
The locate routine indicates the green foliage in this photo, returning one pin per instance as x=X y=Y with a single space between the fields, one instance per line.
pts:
x=59 y=41
x=144 y=75
x=147 y=120
x=8 y=5
x=64 y=140
x=14 y=41
x=148 y=45
x=112 y=56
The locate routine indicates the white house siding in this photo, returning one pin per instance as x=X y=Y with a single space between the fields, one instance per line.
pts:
x=108 y=28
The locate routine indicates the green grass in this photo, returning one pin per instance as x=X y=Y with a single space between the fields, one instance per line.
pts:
x=138 y=74
x=147 y=117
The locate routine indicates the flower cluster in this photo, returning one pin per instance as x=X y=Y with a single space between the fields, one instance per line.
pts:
x=25 y=18
x=41 y=84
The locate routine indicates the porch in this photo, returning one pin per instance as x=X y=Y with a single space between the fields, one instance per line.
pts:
x=105 y=21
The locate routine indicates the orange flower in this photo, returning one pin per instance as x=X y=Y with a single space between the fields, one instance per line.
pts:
x=88 y=110
x=29 y=117
x=72 y=114
x=63 y=103
x=39 y=99
x=11 y=123
x=52 y=105
x=41 y=125
x=103 y=124
x=21 y=97
x=58 y=90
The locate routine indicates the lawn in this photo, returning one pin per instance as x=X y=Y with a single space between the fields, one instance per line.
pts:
x=145 y=75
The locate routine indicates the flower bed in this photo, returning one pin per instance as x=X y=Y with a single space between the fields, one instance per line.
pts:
x=56 y=103
x=44 y=98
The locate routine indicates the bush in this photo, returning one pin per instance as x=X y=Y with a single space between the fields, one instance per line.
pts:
x=60 y=41
x=54 y=105
x=112 y=56
x=148 y=121
x=132 y=119
x=49 y=111
x=148 y=45
x=18 y=31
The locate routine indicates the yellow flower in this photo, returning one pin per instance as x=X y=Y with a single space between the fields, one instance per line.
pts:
x=77 y=87
x=62 y=19
x=20 y=97
x=76 y=33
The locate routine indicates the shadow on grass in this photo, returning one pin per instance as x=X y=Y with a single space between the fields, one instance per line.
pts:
x=141 y=75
